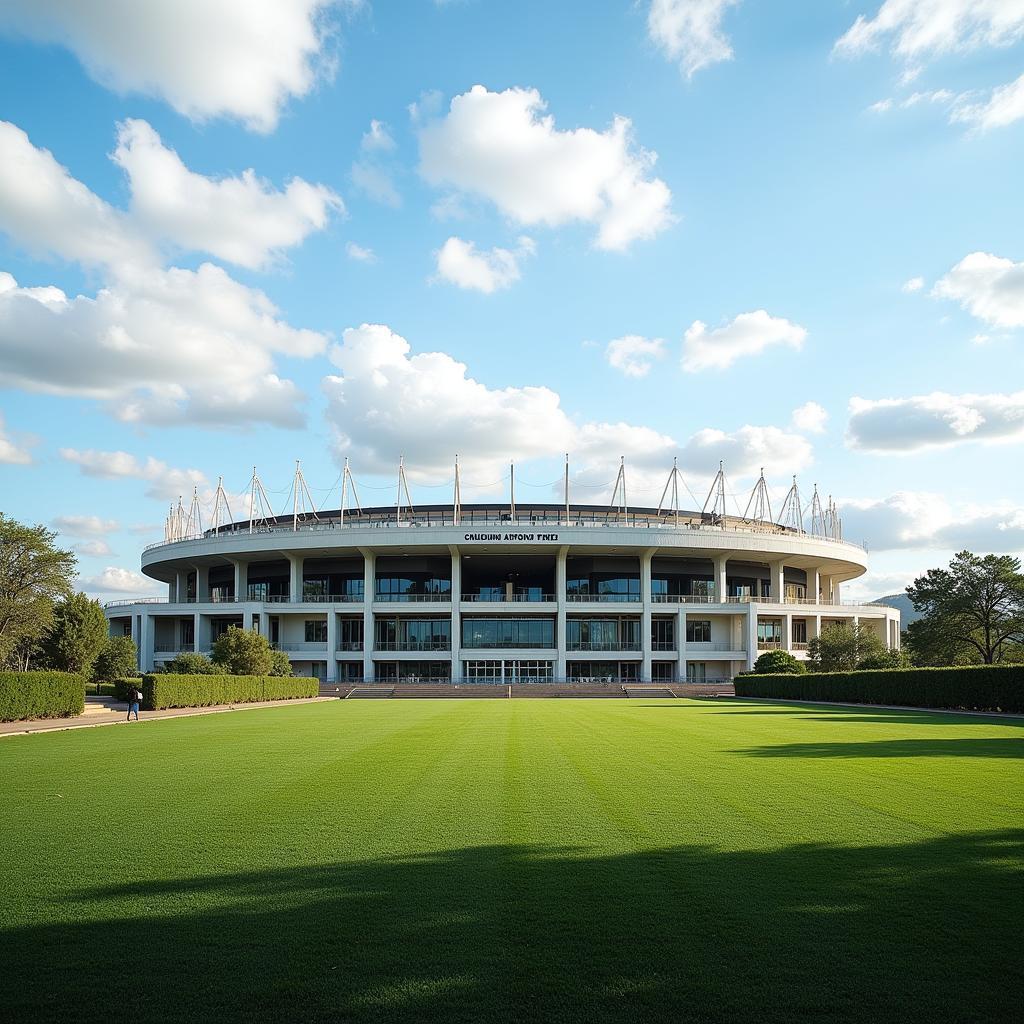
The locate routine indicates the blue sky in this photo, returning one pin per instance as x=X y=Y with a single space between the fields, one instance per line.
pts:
x=801 y=249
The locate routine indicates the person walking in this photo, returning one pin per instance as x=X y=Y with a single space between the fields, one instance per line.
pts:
x=134 y=696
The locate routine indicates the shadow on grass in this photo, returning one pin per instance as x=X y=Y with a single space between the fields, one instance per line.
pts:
x=1000 y=747
x=918 y=932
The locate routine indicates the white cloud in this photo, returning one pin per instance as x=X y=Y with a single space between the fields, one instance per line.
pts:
x=165 y=481
x=810 y=418
x=93 y=548
x=243 y=220
x=158 y=346
x=747 y=335
x=482 y=270
x=13 y=452
x=241 y=59
x=86 y=526
x=633 y=355
x=376 y=182
x=990 y=287
x=360 y=254
x=897 y=425
x=377 y=138
x=45 y=209
x=915 y=284
x=881 y=106
x=918 y=519
x=114 y=580
x=690 y=31
x=918 y=29
x=388 y=402
x=1004 y=106
x=502 y=147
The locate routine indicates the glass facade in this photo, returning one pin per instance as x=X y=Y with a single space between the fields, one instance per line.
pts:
x=410 y=588
x=698 y=631
x=603 y=634
x=413 y=671
x=663 y=635
x=508 y=671
x=508 y=633
x=603 y=671
x=395 y=634
x=316 y=631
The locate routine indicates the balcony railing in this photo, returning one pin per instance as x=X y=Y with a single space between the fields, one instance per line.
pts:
x=663 y=645
x=696 y=646
x=413 y=645
x=799 y=645
x=603 y=645
x=498 y=598
x=310 y=647
x=164 y=648
x=350 y=645
x=411 y=598
x=506 y=645
x=769 y=645
x=610 y=598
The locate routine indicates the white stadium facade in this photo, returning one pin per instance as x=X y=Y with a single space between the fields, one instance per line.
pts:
x=505 y=593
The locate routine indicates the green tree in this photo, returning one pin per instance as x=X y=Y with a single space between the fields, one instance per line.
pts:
x=885 y=659
x=281 y=664
x=243 y=652
x=76 y=636
x=34 y=573
x=189 y=664
x=843 y=648
x=779 y=661
x=118 y=659
x=973 y=611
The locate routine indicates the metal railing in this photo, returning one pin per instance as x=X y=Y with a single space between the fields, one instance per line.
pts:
x=506 y=645
x=696 y=646
x=525 y=598
x=413 y=645
x=769 y=645
x=410 y=598
x=604 y=598
x=603 y=645
x=309 y=646
x=350 y=645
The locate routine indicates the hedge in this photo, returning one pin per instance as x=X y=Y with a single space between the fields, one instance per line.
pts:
x=40 y=695
x=972 y=688
x=166 y=690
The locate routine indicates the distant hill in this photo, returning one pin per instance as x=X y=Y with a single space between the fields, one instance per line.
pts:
x=901 y=601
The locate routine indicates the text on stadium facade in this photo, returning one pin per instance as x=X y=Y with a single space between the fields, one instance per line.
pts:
x=511 y=536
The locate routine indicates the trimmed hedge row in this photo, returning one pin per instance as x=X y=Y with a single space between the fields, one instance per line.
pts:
x=40 y=695
x=166 y=690
x=972 y=688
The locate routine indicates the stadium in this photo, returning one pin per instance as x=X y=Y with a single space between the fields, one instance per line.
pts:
x=502 y=592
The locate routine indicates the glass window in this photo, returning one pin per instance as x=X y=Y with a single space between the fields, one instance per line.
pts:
x=698 y=631
x=800 y=631
x=316 y=631
x=696 y=672
x=483 y=633
x=769 y=631
x=663 y=634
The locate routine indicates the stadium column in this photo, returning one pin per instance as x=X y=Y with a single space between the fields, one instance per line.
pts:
x=369 y=588
x=751 y=634
x=180 y=587
x=295 y=577
x=787 y=632
x=198 y=640
x=456 y=626
x=146 y=643
x=814 y=585
x=202 y=583
x=241 y=578
x=720 y=577
x=826 y=588
x=681 y=645
x=778 y=584
x=332 y=644
x=561 y=640
x=646 y=641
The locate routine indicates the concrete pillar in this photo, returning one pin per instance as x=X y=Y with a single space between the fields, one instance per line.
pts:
x=146 y=643
x=369 y=589
x=197 y=622
x=202 y=583
x=787 y=632
x=172 y=591
x=778 y=581
x=241 y=579
x=561 y=638
x=681 y=645
x=179 y=593
x=751 y=644
x=295 y=577
x=456 y=626
x=265 y=624
x=720 y=577
x=332 y=645
x=645 y=615
x=813 y=585
x=837 y=596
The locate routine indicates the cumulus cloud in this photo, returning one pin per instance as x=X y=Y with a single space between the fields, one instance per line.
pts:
x=896 y=425
x=920 y=519
x=158 y=346
x=484 y=270
x=989 y=287
x=360 y=253
x=377 y=138
x=747 y=335
x=373 y=173
x=48 y=211
x=690 y=31
x=114 y=580
x=1003 y=106
x=810 y=418
x=13 y=452
x=502 y=147
x=165 y=481
x=387 y=401
x=243 y=220
x=93 y=548
x=633 y=355
x=918 y=29
x=242 y=59
x=914 y=284
x=86 y=526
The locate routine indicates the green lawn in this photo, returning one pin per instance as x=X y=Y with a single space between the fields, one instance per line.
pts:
x=513 y=861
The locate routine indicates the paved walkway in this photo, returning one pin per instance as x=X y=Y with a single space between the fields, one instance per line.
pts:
x=107 y=711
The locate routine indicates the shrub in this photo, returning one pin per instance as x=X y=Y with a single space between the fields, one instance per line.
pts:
x=124 y=684
x=970 y=687
x=164 y=690
x=40 y=695
x=189 y=664
x=117 y=659
x=778 y=661
x=243 y=652
x=280 y=664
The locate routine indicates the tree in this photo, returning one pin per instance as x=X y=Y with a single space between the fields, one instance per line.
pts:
x=843 y=648
x=243 y=652
x=33 y=575
x=885 y=659
x=779 y=661
x=118 y=659
x=281 y=664
x=189 y=664
x=972 y=611
x=76 y=636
